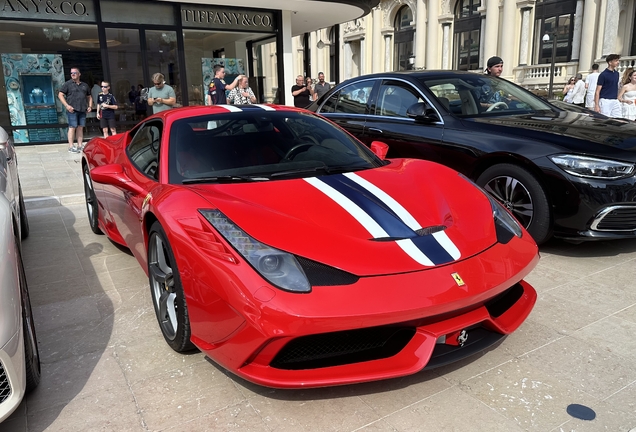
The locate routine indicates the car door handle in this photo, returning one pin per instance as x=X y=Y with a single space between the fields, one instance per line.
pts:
x=372 y=129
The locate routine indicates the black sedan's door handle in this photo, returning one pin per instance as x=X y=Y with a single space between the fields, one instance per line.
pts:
x=372 y=129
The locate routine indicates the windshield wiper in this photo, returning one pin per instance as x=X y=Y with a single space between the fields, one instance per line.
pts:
x=224 y=179
x=324 y=168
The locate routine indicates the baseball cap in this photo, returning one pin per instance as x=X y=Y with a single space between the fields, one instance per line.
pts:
x=493 y=61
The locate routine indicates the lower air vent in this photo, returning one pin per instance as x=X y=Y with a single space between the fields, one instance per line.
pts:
x=497 y=306
x=5 y=385
x=340 y=348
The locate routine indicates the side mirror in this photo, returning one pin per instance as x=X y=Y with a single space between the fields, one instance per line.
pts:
x=421 y=112
x=380 y=149
x=114 y=175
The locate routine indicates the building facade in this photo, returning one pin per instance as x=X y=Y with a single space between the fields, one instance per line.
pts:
x=463 y=34
x=125 y=42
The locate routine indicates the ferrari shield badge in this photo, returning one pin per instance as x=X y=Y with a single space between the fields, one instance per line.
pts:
x=458 y=279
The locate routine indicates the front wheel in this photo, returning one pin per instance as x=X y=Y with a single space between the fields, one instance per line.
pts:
x=167 y=293
x=521 y=193
x=92 y=207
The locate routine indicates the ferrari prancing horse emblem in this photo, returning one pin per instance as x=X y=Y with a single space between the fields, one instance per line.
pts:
x=458 y=279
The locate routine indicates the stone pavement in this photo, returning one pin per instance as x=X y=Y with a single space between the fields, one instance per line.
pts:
x=105 y=365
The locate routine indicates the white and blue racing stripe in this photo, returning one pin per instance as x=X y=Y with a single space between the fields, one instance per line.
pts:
x=386 y=219
x=241 y=108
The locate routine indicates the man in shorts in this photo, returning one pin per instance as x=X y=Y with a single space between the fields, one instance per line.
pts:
x=106 y=106
x=76 y=97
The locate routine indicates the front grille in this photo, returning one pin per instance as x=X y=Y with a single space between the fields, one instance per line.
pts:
x=616 y=218
x=323 y=275
x=345 y=347
x=5 y=385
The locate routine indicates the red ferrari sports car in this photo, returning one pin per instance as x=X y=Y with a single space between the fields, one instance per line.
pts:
x=294 y=256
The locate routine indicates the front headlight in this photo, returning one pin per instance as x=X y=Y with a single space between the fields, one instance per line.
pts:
x=506 y=226
x=589 y=167
x=504 y=221
x=278 y=267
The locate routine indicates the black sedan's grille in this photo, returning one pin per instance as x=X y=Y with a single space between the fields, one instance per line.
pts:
x=617 y=219
x=5 y=385
x=345 y=347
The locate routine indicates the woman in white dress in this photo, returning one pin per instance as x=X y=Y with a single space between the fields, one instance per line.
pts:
x=627 y=97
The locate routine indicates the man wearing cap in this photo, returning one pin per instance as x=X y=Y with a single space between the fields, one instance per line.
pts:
x=489 y=95
x=494 y=66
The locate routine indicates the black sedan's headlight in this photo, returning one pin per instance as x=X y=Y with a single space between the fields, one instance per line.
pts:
x=590 y=167
x=278 y=267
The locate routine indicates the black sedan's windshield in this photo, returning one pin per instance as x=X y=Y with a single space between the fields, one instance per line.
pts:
x=474 y=95
x=257 y=145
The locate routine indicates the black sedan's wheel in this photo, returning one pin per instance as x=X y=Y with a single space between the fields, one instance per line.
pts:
x=167 y=292
x=24 y=219
x=521 y=193
x=92 y=208
x=31 y=351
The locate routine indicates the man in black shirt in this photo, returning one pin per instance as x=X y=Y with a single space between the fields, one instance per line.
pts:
x=301 y=93
x=76 y=97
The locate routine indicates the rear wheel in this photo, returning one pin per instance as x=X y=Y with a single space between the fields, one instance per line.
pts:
x=92 y=208
x=167 y=293
x=521 y=193
x=31 y=351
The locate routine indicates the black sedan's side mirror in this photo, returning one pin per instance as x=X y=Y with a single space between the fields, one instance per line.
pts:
x=423 y=113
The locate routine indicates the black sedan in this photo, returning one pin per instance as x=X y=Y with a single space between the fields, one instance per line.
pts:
x=559 y=172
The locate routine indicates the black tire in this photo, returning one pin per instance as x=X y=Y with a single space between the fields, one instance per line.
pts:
x=24 y=219
x=521 y=193
x=92 y=207
x=167 y=292
x=31 y=351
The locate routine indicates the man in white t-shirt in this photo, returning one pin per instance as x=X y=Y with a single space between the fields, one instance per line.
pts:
x=590 y=85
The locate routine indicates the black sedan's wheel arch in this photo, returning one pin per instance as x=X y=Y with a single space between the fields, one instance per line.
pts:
x=177 y=338
x=540 y=227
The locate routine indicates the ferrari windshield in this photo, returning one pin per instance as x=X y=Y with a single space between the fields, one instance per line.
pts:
x=259 y=145
x=475 y=95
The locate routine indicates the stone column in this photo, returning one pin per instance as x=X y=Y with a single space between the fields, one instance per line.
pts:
x=482 y=36
x=508 y=40
x=363 y=57
x=347 y=60
x=610 y=32
x=420 y=35
x=525 y=35
x=492 y=25
x=387 y=52
x=376 y=41
x=287 y=58
x=578 y=27
x=432 y=50
x=590 y=14
x=446 y=21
